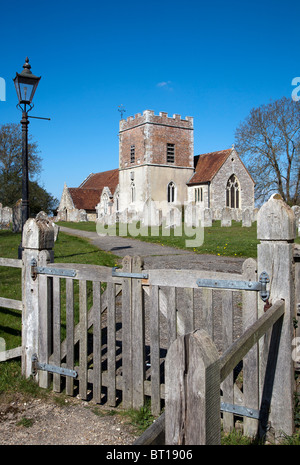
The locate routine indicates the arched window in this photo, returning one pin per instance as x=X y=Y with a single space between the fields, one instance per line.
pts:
x=233 y=192
x=105 y=203
x=132 y=187
x=171 y=192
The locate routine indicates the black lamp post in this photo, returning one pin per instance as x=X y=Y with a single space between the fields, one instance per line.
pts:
x=25 y=84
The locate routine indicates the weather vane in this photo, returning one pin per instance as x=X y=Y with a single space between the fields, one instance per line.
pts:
x=122 y=110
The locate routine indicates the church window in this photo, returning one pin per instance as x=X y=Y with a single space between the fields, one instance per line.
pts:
x=233 y=192
x=105 y=203
x=132 y=187
x=170 y=153
x=171 y=192
x=132 y=153
x=198 y=194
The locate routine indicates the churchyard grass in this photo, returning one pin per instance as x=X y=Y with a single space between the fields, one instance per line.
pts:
x=68 y=249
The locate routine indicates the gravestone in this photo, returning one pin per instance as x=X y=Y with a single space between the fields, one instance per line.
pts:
x=246 y=218
x=226 y=217
x=207 y=218
x=17 y=216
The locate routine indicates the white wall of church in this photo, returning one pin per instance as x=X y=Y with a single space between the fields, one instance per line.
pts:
x=151 y=182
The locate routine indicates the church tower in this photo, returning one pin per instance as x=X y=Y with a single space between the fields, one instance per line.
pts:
x=156 y=159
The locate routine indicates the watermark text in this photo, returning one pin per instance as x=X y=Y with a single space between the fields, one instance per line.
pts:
x=2 y=90
x=296 y=91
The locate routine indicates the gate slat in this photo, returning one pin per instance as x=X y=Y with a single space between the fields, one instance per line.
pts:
x=250 y=361
x=97 y=343
x=138 y=337
x=126 y=336
x=44 y=328
x=111 y=344
x=227 y=329
x=171 y=314
x=207 y=311
x=83 y=378
x=154 y=351
x=70 y=333
x=56 y=332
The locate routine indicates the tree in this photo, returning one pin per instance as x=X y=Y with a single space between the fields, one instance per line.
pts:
x=11 y=171
x=268 y=142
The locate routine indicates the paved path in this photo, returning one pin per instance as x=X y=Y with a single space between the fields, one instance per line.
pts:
x=158 y=256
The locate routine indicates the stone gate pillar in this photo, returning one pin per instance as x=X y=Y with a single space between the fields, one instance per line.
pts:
x=276 y=231
x=38 y=242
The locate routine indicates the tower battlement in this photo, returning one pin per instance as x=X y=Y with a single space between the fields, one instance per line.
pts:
x=148 y=116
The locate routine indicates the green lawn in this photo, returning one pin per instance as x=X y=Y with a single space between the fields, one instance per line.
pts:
x=67 y=249
x=236 y=241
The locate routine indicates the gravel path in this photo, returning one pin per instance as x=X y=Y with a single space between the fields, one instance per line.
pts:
x=45 y=422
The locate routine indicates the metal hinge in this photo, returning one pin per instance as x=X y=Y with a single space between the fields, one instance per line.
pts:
x=240 y=410
x=35 y=270
x=124 y=274
x=36 y=365
x=259 y=286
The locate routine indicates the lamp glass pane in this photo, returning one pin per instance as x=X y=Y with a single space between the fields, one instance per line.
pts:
x=26 y=92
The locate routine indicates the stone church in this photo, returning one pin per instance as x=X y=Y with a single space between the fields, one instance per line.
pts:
x=157 y=166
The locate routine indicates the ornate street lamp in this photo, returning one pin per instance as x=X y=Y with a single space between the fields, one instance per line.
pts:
x=25 y=84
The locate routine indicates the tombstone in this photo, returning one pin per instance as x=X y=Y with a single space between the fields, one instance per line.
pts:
x=17 y=216
x=296 y=210
x=192 y=214
x=173 y=217
x=216 y=214
x=82 y=215
x=254 y=214
x=207 y=218
x=236 y=214
x=226 y=217
x=246 y=218
x=151 y=215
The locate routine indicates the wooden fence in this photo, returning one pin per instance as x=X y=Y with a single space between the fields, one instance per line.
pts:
x=104 y=334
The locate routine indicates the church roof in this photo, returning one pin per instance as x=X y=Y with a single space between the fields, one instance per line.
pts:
x=85 y=199
x=207 y=165
x=108 y=179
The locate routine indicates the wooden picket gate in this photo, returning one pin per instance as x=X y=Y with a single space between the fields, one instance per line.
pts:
x=105 y=333
x=115 y=329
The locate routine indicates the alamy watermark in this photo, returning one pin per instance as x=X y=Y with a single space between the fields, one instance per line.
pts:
x=296 y=91
x=145 y=222
x=2 y=90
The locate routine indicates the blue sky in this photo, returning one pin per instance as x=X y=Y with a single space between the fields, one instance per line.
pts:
x=214 y=61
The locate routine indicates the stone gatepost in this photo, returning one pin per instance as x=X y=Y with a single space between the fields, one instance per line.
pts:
x=276 y=232
x=38 y=242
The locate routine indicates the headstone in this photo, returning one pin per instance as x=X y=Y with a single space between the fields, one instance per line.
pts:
x=226 y=217
x=17 y=217
x=173 y=217
x=192 y=214
x=246 y=218
x=296 y=210
x=207 y=218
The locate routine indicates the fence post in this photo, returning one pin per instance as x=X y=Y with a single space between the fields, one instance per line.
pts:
x=276 y=232
x=192 y=391
x=38 y=242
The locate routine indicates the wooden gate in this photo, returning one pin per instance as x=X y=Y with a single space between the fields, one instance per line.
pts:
x=104 y=333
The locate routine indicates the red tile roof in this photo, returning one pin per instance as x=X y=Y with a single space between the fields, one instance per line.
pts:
x=207 y=165
x=85 y=199
x=100 y=180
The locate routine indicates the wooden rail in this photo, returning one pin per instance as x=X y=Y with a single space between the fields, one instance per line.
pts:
x=159 y=432
x=12 y=304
